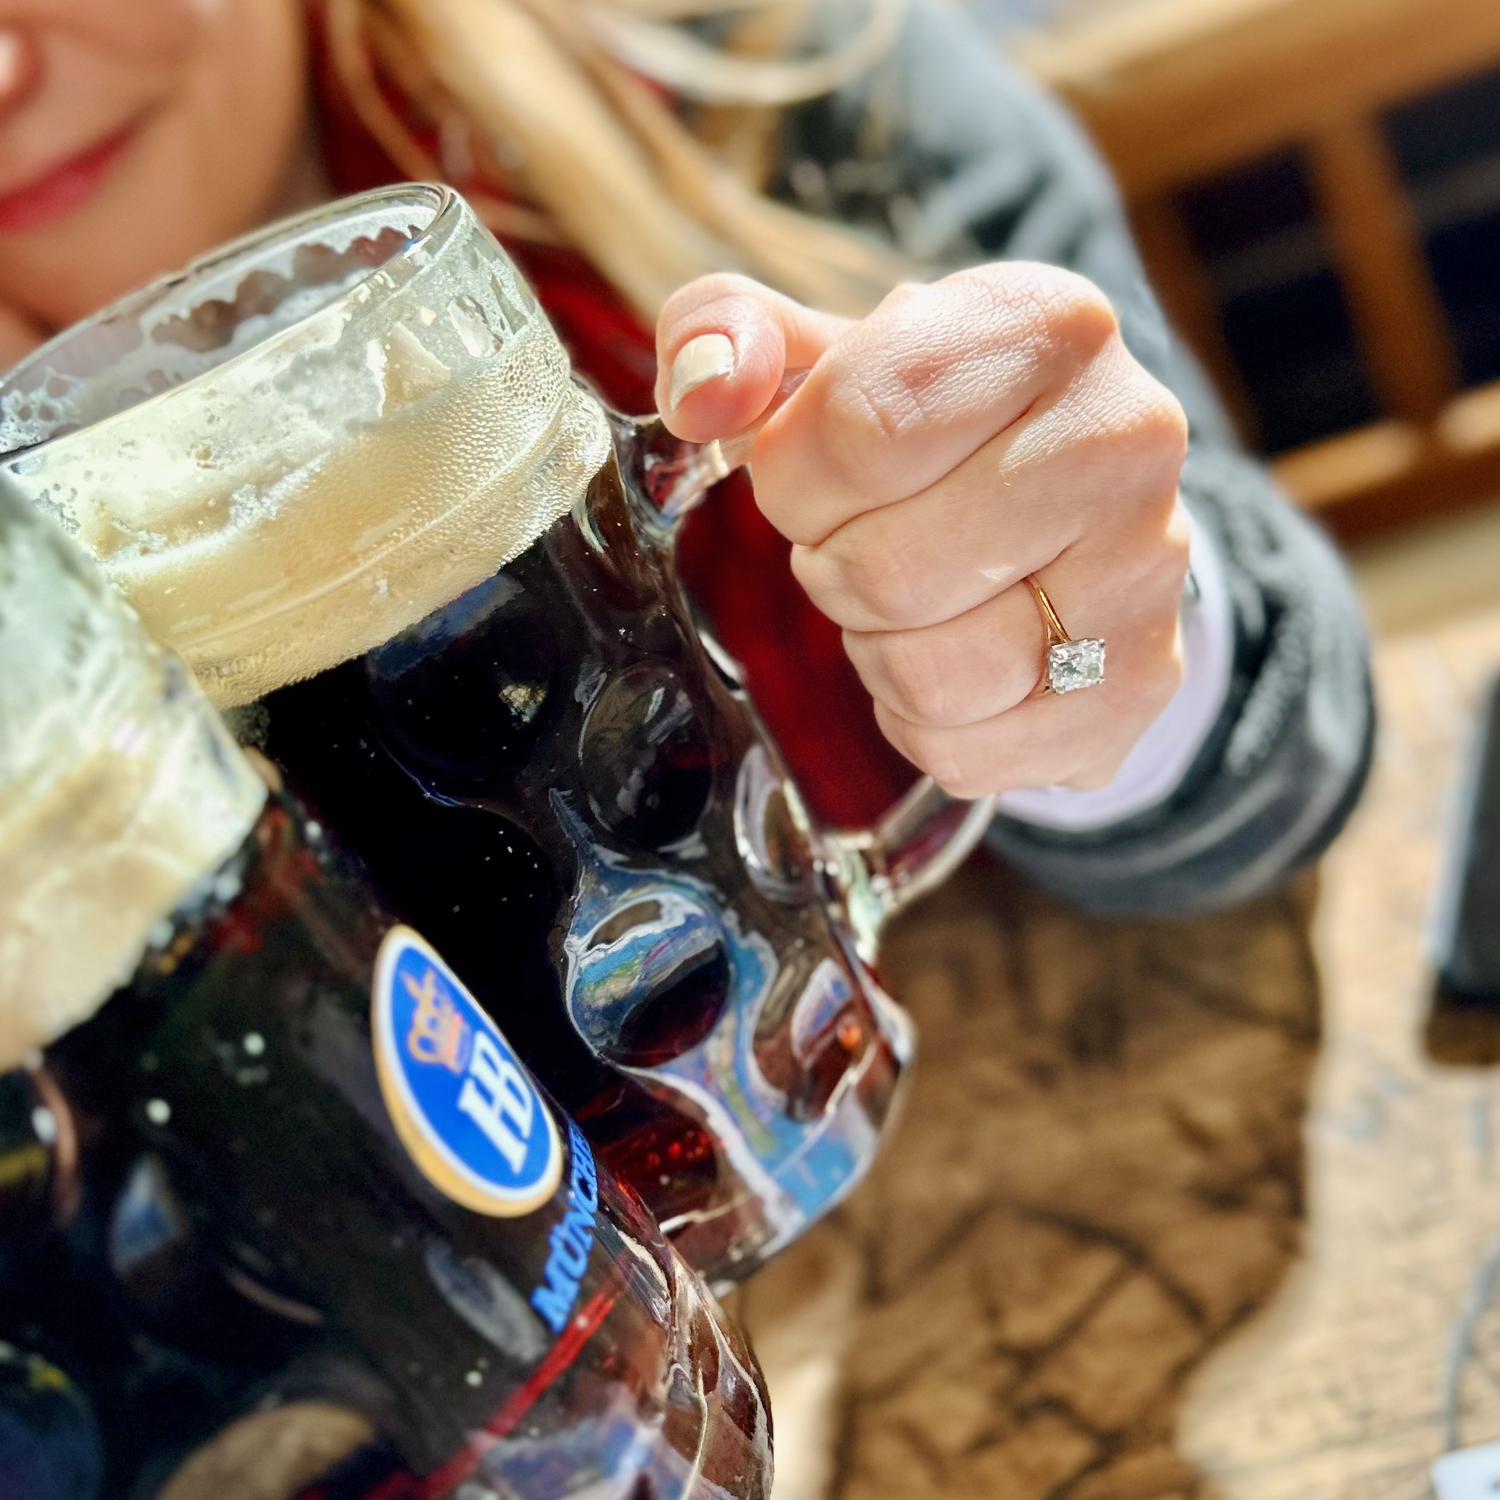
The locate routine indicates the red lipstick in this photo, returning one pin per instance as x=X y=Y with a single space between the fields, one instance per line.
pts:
x=65 y=186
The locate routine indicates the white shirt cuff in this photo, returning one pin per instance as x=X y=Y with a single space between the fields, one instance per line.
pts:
x=1155 y=767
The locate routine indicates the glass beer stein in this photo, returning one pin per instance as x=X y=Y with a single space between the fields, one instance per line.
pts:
x=366 y=495
x=281 y=1213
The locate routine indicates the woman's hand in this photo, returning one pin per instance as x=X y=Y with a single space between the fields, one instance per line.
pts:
x=962 y=436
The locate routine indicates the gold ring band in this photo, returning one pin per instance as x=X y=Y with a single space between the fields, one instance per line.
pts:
x=1057 y=635
x=1067 y=664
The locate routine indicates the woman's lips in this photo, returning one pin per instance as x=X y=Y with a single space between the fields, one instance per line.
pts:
x=64 y=187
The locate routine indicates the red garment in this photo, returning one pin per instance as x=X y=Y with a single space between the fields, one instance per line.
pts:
x=734 y=563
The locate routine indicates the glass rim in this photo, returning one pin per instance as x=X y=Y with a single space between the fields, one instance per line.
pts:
x=448 y=213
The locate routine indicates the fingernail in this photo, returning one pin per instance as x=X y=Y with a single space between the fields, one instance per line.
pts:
x=710 y=356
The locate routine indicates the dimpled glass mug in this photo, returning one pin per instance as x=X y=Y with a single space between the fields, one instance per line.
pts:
x=343 y=469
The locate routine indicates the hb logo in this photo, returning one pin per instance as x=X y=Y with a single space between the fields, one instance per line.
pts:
x=462 y=1104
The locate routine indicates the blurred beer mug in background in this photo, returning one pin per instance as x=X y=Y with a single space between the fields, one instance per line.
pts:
x=276 y=1196
x=342 y=467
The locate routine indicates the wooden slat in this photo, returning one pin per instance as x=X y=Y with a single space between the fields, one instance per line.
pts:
x=1397 y=470
x=1471 y=422
x=1179 y=277
x=1328 y=473
x=1376 y=245
x=1390 y=472
x=1439 y=482
x=1175 y=90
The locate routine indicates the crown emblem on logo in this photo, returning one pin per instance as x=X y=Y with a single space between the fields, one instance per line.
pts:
x=439 y=1034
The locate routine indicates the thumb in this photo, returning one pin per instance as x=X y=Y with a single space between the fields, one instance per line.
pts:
x=724 y=344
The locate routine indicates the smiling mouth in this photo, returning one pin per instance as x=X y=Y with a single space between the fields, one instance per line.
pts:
x=66 y=185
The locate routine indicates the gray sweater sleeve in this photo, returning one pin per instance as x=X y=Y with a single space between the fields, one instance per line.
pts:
x=957 y=158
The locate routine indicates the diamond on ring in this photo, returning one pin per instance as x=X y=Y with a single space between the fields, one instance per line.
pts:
x=1072 y=665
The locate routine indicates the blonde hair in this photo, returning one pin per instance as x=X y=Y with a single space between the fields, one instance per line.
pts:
x=563 y=101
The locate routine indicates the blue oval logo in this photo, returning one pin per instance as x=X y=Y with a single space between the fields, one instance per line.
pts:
x=462 y=1103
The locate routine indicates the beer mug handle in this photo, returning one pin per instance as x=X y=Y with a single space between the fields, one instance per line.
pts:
x=920 y=841
x=916 y=846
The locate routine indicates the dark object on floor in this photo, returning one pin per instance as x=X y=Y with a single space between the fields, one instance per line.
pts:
x=1466 y=927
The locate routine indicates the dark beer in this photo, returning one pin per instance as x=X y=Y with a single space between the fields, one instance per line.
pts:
x=364 y=470
x=554 y=777
x=288 y=1206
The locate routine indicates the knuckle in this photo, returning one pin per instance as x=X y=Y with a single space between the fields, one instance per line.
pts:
x=1163 y=567
x=1071 y=314
x=930 y=750
x=900 y=732
x=813 y=569
x=967 y=783
x=904 y=298
x=916 y=684
x=997 y=294
x=875 y=580
x=1177 y=540
x=1157 y=426
x=689 y=302
x=1054 y=320
x=953 y=771
x=1146 y=445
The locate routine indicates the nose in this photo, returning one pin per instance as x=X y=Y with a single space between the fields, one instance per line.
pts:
x=18 y=68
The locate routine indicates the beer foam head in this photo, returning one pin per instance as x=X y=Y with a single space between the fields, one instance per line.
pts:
x=310 y=440
x=120 y=789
